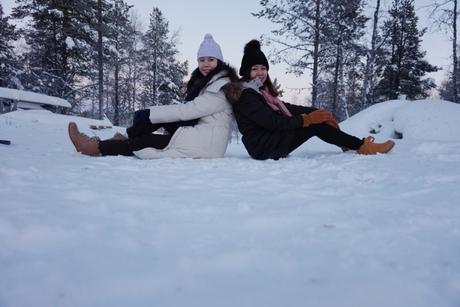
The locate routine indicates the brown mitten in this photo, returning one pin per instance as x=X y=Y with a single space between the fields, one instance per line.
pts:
x=316 y=117
x=333 y=123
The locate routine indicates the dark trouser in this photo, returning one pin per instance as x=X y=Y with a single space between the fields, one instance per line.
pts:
x=140 y=136
x=326 y=133
x=148 y=128
x=126 y=147
x=142 y=125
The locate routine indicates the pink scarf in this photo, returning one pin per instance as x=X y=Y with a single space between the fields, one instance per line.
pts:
x=275 y=103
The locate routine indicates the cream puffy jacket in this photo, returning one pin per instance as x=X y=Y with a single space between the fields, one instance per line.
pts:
x=208 y=138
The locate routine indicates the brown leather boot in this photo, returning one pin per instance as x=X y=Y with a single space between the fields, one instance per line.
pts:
x=371 y=148
x=83 y=143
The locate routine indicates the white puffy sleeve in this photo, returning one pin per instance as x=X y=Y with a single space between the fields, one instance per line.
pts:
x=212 y=100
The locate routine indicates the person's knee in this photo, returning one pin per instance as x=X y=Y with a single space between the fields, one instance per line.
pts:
x=141 y=116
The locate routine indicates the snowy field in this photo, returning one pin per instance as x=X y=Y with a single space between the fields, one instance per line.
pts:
x=320 y=228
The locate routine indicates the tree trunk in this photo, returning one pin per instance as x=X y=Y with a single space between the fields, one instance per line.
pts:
x=342 y=99
x=155 y=77
x=368 y=83
x=338 y=63
x=100 y=55
x=64 y=58
x=134 y=88
x=400 y=53
x=116 y=106
x=314 y=92
x=454 y=53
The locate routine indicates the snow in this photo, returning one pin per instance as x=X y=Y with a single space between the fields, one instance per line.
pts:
x=32 y=97
x=114 y=50
x=70 y=43
x=56 y=13
x=320 y=228
x=421 y=120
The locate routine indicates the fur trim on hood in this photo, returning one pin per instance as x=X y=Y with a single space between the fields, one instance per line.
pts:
x=232 y=91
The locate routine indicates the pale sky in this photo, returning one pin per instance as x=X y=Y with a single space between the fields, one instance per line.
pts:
x=232 y=25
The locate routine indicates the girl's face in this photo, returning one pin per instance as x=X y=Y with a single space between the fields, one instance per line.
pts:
x=206 y=65
x=259 y=71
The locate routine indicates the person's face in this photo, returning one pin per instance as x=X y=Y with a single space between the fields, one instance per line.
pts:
x=259 y=71
x=206 y=65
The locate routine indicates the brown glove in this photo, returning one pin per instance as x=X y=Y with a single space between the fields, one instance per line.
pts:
x=316 y=117
x=333 y=123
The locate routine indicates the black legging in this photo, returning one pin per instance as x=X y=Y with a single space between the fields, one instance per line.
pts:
x=142 y=125
x=140 y=136
x=126 y=147
x=326 y=133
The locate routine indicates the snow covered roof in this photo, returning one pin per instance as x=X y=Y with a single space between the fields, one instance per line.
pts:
x=32 y=97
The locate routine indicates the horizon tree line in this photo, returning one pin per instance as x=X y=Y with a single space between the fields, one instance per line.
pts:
x=356 y=60
x=94 y=53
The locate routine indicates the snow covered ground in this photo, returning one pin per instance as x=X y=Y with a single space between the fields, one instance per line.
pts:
x=320 y=228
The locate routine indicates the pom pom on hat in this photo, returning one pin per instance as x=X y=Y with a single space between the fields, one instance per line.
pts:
x=253 y=55
x=252 y=46
x=209 y=48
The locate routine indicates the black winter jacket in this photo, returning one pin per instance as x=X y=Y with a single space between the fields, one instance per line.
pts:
x=266 y=133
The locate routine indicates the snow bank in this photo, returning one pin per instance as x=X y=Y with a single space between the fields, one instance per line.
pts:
x=414 y=120
x=429 y=120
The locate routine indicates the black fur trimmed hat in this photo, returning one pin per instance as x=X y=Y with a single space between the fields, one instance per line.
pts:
x=252 y=56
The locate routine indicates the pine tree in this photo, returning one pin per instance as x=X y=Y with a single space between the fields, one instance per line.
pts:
x=58 y=38
x=99 y=26
x=354 y=88
x=163 y=73
x=342 y=53
x=445 y=15
x=299 y=35
x=9 y=65
x=118 y=44
x=323 y=36
x=133 y=70
x=447 y=89
x=404 y=65
x=372 y=55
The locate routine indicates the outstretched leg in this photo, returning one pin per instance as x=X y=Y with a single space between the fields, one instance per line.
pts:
x=127 y=147
x=143 y=126
x=326 y=133
x=341 y=139
x=112 y=147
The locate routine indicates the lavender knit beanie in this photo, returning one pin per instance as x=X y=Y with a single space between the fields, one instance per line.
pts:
x=209 y=48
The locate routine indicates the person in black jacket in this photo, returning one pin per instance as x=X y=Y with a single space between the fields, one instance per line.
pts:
x=271 y=128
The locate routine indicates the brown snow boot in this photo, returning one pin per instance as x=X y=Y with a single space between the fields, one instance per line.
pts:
x=83 y=143
x=371 y=148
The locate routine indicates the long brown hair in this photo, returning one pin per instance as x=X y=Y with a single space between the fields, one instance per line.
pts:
x=268 y=84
